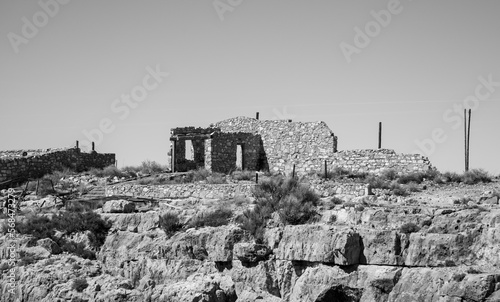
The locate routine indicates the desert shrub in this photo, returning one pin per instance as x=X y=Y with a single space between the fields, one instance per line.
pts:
x=199 y=174
x=475 y=176
x=79 y=284
x=68 y=222
x=294 y=202
x=151 y=167
x=112 y=171
x=170 y=223
x=243 y=175
x=458 y=277
x=336 y=200
x=389 y=174
x=409 y=228
x=398 y=190
x=215 y=218
x=293 y=211
x=452 y=177
x=216 y=178
x=377 y=182
x=415 y=177
x=413 y=187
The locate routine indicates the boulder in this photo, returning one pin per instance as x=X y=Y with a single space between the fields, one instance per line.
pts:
x=49 y=245
x=118 y=206
x=319 y=243
x=251 y=252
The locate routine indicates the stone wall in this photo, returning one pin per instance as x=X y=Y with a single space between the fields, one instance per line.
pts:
x=26 y=164
x=222 y=151
x=377 y=160
x=197 y=190
x=287 y=143
x=225 y=191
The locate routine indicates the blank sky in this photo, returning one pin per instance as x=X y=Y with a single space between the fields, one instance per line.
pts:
x=281 y=58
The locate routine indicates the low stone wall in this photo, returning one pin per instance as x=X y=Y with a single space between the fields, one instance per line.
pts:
x=377 y=160
x=224 y=191
x=330 y=188
x=197 y=190
x=25 y=164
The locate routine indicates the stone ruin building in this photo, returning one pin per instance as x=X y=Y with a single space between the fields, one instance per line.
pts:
x=277 y=146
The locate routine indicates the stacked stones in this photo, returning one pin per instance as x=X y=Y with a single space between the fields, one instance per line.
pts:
x=36 y=163
x=375 y=161
x=195 y=190
x=288 y=143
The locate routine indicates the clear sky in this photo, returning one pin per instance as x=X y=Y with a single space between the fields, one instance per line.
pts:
x=67 y=67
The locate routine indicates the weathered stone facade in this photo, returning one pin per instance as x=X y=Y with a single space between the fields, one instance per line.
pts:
x=280 y=146
x=25 y=164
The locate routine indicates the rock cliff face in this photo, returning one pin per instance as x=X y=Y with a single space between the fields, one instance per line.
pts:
x=452 y=253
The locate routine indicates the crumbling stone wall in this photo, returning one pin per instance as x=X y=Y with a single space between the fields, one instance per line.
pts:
x=178 y=138
x=222 y=151
x=287 y=143
x=224 y=191
x=24 y=164
x=377 y=160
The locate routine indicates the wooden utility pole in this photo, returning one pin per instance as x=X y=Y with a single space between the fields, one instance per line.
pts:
x=380 y=135
x=467 y=138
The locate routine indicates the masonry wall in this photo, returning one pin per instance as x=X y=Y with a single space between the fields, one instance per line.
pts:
x=24 y=164
x=223 y=148
x=224 y=191
x=287 y=143
x=377 y=160
x=198 y=137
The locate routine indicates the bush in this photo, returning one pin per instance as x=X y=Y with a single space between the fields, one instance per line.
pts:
x=409 y=228
x=151 y=167
x=389 y=174
x=475 y=176
x=293 y=201
x=170 y=223
x=70 y=223
x=413 y=187
x=398 y=190
x=415 y=177
x=293 y=211
x=377 y=182
x=79 y=284
x=243 y=175
x=214 y=219
x=216 y=178
x=452 y=177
